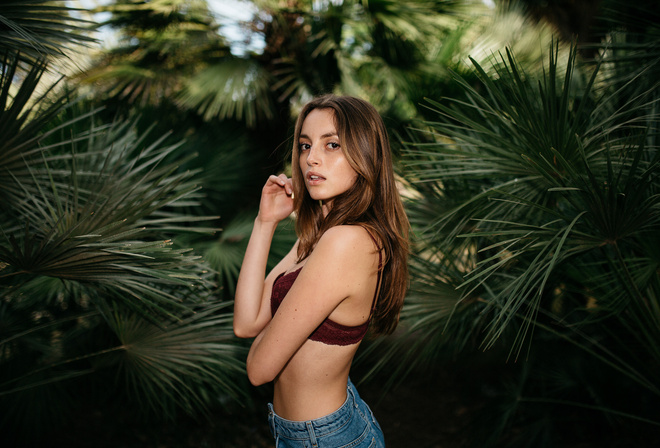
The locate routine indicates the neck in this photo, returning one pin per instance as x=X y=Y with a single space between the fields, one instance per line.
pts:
x=325 y=207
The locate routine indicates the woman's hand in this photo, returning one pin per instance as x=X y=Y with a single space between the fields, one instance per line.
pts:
x=276 y=199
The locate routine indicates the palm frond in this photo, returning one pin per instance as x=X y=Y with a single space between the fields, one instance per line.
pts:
x=25 y=119
x=234 y=88
x=533 y=179
x=101 y=228
x=39 y=29
x=184 y=364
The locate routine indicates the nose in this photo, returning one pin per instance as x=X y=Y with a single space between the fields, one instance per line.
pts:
x=313 y=156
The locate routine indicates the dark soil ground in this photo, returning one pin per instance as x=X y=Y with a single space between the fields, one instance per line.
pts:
x=430 y=410
x=414 y=414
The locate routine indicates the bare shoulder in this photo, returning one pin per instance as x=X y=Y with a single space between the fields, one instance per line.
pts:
x=347 y=233
x=346 y=240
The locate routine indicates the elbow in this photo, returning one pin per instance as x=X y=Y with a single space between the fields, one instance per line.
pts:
x=257 y=376
x=256 y=380
x=243 y=332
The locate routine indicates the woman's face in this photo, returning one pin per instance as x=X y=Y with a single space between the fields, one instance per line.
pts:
x=324 y=168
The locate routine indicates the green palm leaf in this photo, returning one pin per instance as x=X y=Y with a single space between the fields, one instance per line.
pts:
x=87 y=258
x=39 y=29
x=25 y=120
x=161 y=44
x=182 y=364
x=101 y=229
x=234 y=88
x=555 y=176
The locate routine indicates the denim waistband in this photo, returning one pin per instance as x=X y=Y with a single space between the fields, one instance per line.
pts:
x=320 y=426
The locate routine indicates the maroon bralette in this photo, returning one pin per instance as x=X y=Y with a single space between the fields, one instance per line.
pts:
x=329 y=332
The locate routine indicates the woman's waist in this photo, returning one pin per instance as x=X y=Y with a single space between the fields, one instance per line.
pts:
x=309 y=397
x=332 y=423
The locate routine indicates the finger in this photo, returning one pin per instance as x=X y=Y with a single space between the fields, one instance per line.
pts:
x=287 y=184
x=277 y=180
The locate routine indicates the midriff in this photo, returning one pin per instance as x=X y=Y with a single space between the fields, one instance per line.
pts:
x=313 y=383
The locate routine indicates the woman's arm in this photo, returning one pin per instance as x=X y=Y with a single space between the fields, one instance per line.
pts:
x=251 y=307
x=337 y=269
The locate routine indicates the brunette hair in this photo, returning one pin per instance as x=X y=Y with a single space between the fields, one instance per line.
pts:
x=372 y=202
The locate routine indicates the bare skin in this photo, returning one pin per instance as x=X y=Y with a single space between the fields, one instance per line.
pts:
x=338 y=280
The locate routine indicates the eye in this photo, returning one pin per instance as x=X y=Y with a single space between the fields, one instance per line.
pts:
x=304 y=146
x=334 y=145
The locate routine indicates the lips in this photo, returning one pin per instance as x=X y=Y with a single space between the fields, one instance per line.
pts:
x=314 y=178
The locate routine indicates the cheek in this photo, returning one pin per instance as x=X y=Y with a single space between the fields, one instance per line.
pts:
x=348 y=173
x=351 y=176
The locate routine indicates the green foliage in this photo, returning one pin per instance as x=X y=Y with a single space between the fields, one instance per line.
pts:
x=93 y=287
x=41 y=28
x=537 y=223
x=182 y=365
x=162 y=44
x=234 y=88
x=532 y=188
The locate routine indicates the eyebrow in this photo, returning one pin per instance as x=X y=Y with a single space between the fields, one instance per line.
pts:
x=326 y=135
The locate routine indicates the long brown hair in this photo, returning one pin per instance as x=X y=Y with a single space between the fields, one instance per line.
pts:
x=372 y=202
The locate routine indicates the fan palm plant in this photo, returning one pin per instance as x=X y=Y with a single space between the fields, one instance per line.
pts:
x=161 y=44
x=538 y=219
x=91 y=281
x=41 y=28
x=170 y=62
x=97 y=296
x=376 y=49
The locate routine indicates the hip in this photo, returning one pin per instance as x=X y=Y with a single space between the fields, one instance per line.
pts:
x=353 y=425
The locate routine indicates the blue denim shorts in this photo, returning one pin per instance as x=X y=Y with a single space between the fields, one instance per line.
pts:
x=351 y=426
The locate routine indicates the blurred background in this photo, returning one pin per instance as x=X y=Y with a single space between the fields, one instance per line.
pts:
x=136 y=137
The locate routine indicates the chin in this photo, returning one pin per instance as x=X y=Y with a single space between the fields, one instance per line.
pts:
x=317 y=197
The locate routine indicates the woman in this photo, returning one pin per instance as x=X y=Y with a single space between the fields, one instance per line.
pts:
x=347 y=270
